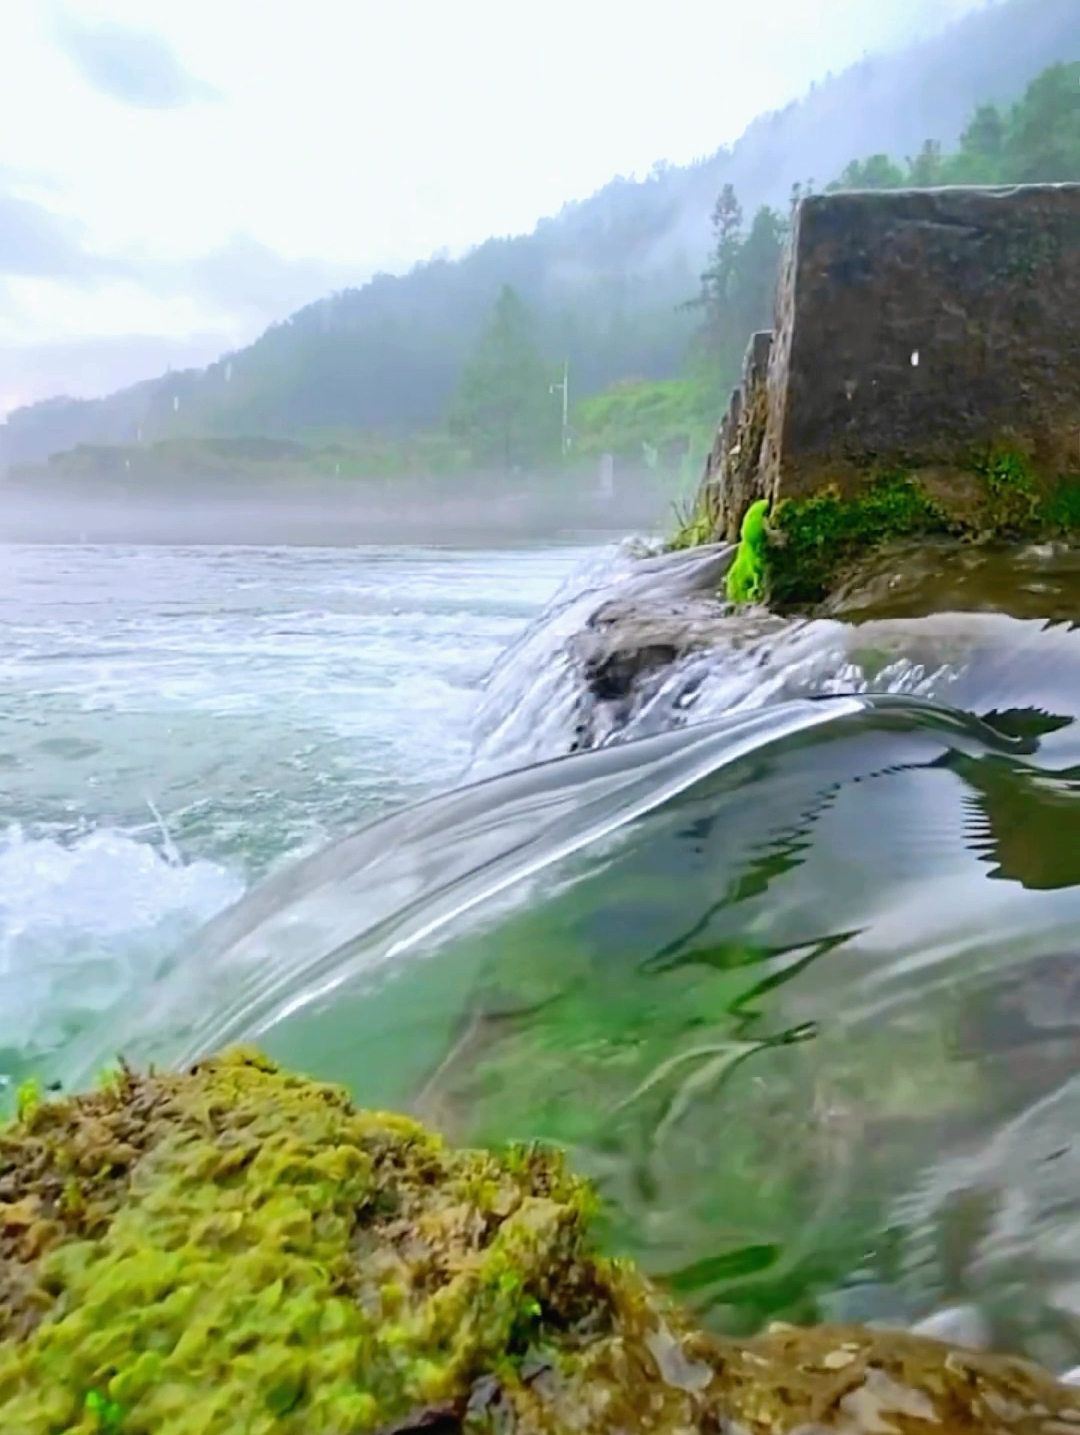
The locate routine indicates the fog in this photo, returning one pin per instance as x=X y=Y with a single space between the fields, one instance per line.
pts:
x=459 y=512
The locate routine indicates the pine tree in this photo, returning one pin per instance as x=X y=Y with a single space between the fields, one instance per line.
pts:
x=503 y=408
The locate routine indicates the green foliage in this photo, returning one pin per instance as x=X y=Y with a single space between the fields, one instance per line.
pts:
x=746 y=577
x=328 y=454
x=28 y=1098
x=1012 y=499
x=876 y=172
x=1041 y=141
x=813 y=538
x=696 y=521
x=1062 y=508
x=1017 y=502
x=635 y=413
x=1036 y=140
x=504 y=410
x=737 y=292
x=816 y=535
x=106 y=1414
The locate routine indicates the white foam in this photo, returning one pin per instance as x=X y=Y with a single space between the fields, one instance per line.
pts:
x=83 y=923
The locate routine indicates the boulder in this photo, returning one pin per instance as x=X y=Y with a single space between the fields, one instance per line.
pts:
x=238 y=1249
x=923 y=380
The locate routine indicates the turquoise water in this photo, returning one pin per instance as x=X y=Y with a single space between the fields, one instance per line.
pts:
x=174 y=722
x=790 y=965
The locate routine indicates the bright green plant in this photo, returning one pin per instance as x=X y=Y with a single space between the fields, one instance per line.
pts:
x=746 y=576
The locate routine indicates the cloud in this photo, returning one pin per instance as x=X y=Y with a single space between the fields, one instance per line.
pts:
x=133 y=67
x=38 y=243
x=243 y=280
x=235 y=291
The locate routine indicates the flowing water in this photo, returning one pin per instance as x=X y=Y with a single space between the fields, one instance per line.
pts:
x=790 y=963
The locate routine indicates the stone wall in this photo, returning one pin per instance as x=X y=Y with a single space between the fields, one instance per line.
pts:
x=919 y=328
x=732 y=466
x=928 y=336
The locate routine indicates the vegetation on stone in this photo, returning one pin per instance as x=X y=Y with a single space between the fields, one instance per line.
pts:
x=855 y=448
x=816 y=536
x=239 y=1249
x=816 y=540
x=746 y=578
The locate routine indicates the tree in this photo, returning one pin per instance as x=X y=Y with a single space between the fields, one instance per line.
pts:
x=981 y=158
x=876 y=172
x=1036 y=141
x=1043 y=131
x=925 y=170
x=503 y=409
x=718 y=282
x=758 y=268
x=737 y=290
x=984 y=137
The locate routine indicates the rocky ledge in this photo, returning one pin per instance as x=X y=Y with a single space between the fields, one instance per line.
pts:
x=237 y=1249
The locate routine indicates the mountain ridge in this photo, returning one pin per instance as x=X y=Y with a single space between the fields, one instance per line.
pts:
x=604 y=274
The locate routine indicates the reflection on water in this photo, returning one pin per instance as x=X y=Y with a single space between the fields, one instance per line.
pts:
x=794 y=987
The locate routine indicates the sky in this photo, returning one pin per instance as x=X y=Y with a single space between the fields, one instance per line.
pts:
x=175 y=177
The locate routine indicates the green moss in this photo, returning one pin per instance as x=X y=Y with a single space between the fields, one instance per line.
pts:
x=225 y=1291
x=813 y=537
x=106 y=1413
x=1011 y=507
x=745 y=581
x=1061 y=510
x=28 y=1098
x=811 y=540
x=250 y=1255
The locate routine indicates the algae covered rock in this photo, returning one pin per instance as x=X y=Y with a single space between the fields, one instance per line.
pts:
x=236 y=1249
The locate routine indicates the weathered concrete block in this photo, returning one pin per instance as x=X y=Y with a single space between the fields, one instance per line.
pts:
x=920 y=328
x=924 y=378
x=732 y=466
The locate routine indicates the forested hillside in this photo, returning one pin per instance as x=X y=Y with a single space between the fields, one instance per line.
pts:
x=612 y=286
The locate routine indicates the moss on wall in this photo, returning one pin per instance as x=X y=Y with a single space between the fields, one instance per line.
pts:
x=747 y=577
x=812 y=540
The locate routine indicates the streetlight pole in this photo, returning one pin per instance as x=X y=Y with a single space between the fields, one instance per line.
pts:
x=564 y=389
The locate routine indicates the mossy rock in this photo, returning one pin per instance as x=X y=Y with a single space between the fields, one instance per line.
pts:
x=817 y=542
x=237 y=1249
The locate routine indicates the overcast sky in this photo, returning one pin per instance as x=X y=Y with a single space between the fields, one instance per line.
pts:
x=174 y=176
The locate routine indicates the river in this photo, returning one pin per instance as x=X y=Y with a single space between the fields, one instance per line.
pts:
x=176 y=721
x=788 y=963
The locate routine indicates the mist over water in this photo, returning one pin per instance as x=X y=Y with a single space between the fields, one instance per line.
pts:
x=314 y=511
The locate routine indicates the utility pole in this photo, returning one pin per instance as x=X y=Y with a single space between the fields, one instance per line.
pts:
x=564 y=389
